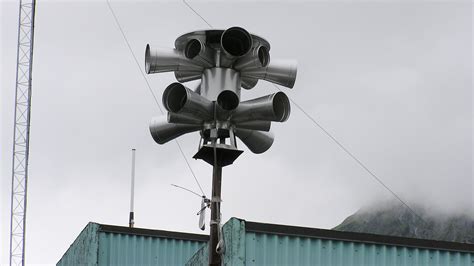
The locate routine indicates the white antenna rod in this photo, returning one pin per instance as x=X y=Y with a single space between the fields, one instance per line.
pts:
x=131 y=220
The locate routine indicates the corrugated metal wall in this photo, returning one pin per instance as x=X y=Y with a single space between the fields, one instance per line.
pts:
x=250 y=244
x=122 y=249
x=273 y=249
x=98 y=246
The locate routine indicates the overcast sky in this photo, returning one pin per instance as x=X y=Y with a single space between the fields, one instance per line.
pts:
x=392 y=81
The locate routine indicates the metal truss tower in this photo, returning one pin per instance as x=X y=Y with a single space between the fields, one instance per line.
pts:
x=21 y=133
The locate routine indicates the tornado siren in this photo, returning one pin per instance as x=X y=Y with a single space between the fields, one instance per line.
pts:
x=225 y=61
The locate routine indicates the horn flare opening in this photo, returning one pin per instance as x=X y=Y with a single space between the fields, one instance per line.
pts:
x=236 y=41
x=175 y=97
x=228 y=100
x=281 y=106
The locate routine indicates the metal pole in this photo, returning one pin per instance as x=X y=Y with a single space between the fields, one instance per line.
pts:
x=214 y=257
x=131 y=220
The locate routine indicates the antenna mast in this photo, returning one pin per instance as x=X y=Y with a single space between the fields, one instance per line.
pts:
x=21 y=131
x=131 y=220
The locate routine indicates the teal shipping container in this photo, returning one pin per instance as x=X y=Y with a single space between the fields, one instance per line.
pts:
x=250 y=243
x=100 y=244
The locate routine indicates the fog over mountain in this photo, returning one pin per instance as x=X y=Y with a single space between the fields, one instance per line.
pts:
x=395 y=219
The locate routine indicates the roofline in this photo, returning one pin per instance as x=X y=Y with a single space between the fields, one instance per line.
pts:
x=299 y=231
x=152 y=233
x=356 y=237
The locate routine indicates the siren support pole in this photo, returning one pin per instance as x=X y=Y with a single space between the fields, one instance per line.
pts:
x=214 y=256
x=131 y=219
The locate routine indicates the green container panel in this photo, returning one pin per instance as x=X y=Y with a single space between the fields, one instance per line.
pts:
x=249 y=244
x=120 y=249
x=114 y=245
x=273 y=249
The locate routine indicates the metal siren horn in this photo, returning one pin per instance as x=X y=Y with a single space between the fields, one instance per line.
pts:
x=187 y=75
x=259 y=56
x=282 y=72
x=197 y=50
x=256 y=141
x=162 y=131
x=248 y=83
x=235 y=42
x=254 y=125
x=181 y=100
x=273 y=107
x=160 y=60
x=223 y=86
x=184 y=119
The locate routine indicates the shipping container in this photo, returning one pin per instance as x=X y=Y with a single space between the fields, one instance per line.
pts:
x=100 y=244
x=250 y=243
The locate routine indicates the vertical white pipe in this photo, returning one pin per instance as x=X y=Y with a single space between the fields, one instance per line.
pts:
x=132 y=192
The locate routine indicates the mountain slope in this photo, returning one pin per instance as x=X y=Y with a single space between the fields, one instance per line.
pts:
x=397 y=220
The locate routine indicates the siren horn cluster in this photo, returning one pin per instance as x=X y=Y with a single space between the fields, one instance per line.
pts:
x=225 y=61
